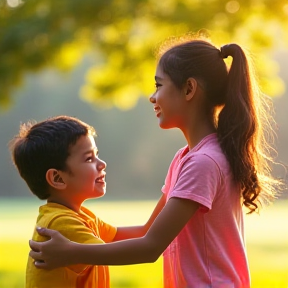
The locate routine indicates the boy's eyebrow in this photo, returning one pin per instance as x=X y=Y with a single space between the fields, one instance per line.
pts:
x=92 y=150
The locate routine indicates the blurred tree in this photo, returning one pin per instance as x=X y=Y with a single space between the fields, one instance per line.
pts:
x=123 y=34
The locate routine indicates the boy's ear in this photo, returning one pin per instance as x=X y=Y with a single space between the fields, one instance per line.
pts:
x=191 y=87
x=54 y=179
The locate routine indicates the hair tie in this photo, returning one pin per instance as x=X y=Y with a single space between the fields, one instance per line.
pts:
x=223 y=52
x=227 y=50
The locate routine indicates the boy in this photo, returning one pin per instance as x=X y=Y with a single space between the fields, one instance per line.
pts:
x=58 y=159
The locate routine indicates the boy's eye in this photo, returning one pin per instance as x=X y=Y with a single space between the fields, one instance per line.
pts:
x=89 y=159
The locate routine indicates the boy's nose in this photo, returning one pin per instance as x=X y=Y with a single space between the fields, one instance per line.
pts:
x=101 y=165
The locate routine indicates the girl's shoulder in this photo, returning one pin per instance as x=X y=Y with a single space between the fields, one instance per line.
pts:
x=210 y=148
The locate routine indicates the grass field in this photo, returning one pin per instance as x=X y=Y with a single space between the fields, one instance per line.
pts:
x=267 y=243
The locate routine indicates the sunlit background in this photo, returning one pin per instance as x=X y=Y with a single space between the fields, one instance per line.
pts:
x=95 y=60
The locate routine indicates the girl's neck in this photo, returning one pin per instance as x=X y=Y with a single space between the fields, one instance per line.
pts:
x=198 y=119
x=195 y=133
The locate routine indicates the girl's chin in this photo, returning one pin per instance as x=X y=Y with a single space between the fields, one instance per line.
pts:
x=163 y=126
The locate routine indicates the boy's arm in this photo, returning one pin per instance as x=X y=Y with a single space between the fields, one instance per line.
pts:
x=140 y=231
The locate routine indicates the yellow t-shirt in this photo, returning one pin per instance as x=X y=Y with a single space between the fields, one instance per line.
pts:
x=83 y=227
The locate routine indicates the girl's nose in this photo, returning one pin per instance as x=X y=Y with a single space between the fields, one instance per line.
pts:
x=152 y=98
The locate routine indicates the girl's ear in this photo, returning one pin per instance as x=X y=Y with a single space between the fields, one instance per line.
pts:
x=54 y=179
x=190 y=87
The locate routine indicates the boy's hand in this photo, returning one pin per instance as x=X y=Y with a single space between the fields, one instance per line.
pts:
x=53 y=253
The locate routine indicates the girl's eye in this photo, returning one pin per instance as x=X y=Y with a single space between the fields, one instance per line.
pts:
x=89 y=159
x=157 y=85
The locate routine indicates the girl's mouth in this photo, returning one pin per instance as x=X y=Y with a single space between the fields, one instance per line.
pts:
x=157 y=110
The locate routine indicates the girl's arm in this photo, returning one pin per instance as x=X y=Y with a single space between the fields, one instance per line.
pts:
x=58 y=252
x=139 y=231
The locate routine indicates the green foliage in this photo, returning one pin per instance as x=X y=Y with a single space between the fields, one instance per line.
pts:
x=123 y=35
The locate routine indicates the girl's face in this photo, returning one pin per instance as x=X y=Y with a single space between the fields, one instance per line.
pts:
x=168 y=101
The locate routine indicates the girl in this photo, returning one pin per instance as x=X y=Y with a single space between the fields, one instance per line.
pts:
x=199 y=223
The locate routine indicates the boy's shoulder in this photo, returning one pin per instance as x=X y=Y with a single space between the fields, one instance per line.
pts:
x=69 y=223
x=54 y=212
x=51 y=211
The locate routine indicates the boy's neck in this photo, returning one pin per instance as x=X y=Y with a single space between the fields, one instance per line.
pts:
x=73 y=205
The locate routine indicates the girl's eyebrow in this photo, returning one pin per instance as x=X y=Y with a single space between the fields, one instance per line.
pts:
x=157 y=78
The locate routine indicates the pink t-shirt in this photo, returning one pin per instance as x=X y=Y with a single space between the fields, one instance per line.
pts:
x=210 y=251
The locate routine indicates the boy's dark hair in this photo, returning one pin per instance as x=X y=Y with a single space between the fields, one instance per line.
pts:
x=44 y=145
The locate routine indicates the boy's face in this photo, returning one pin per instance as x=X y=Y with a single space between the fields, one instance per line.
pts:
x=85 y=177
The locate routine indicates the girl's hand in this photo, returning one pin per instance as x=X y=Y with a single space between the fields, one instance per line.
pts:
x=51 y=254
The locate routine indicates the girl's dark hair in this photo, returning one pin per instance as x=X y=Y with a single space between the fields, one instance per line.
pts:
x=240 y=112
x=44 y=145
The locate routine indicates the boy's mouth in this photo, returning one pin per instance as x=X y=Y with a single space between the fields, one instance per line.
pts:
x=100 y=179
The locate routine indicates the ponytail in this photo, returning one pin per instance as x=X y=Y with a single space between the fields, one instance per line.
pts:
x=243 y=126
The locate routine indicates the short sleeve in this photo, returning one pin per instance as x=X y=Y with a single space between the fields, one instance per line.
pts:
x=169 y=177
x=75 y=230
x=107 y=232
x=198 y=180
